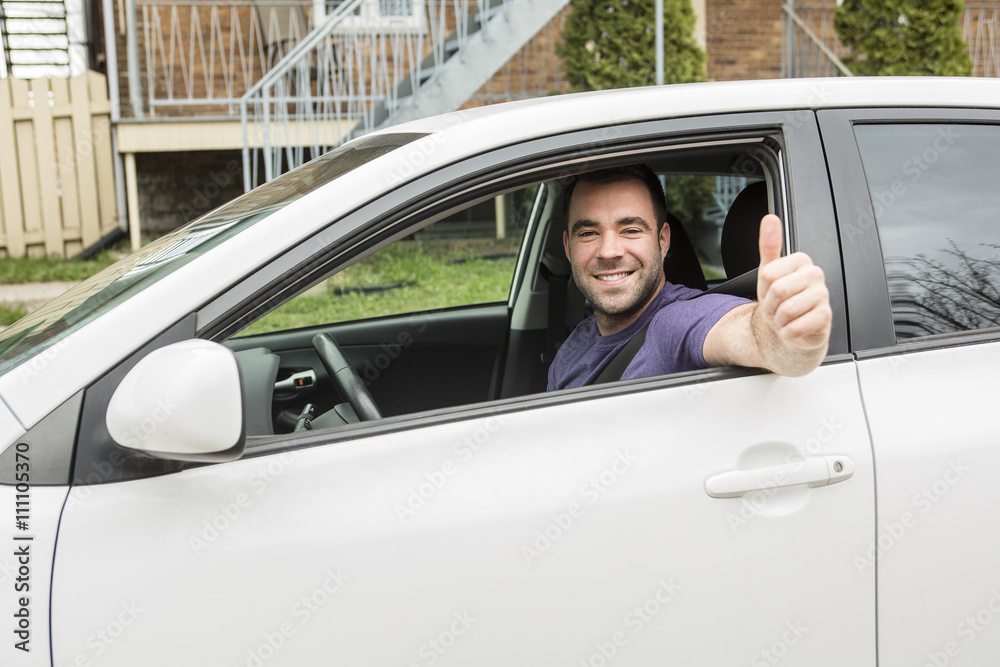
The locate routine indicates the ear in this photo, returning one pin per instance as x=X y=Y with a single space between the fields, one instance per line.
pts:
x=566 y=245
x=664 y=240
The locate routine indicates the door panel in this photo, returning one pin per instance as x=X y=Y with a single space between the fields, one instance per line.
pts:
x=933 y=424
x=410 y=363
x=568 y=533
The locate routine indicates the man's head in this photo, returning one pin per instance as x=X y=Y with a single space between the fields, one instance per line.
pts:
x=616 y=240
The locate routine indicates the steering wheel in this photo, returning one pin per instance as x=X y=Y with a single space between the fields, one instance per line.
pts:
x=345 y=377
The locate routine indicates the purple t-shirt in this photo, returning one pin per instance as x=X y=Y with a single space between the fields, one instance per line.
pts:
x=674 y=341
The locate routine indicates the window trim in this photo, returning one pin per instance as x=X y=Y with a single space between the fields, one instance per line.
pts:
x=869 y=307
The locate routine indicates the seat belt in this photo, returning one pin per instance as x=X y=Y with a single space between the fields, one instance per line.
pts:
x=744 y=285
x=616 y=367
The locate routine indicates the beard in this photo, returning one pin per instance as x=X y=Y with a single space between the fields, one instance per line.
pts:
x=621 y=304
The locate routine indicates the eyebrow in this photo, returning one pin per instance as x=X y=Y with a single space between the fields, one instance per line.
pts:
x=629 y=221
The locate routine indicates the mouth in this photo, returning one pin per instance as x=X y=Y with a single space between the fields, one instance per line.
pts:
x=614 y=277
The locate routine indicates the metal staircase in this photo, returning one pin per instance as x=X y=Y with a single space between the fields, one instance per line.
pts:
x=36 y=38
x=364 y=68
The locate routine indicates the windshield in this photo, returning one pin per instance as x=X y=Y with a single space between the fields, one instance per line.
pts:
x=96 y=296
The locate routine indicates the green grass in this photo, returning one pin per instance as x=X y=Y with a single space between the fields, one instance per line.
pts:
x=11 y=314
x=434 y=274
x=19 y=270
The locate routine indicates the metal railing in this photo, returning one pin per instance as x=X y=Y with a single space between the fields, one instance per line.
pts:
x=349 y=76
x=202 y=56
x=804 y=52
x=981 y=31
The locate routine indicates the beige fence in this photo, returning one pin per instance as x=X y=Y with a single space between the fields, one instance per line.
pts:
x=57 y=189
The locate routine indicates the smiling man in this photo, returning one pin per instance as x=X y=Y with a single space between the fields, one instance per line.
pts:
x=616 y=241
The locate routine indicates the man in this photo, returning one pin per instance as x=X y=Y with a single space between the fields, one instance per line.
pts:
x=616 y=241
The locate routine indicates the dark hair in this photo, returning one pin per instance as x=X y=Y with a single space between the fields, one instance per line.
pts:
x=631 y=172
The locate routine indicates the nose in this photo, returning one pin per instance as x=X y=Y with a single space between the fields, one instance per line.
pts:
x=610 y=246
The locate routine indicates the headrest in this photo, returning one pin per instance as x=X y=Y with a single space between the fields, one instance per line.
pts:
x=741 y=230
x=681 y=265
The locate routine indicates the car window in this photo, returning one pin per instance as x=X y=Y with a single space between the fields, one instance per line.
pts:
x=937 y=210
x=465 y=259
x=403 y=316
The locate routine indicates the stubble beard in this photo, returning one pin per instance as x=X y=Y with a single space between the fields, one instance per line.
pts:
x=612 y=311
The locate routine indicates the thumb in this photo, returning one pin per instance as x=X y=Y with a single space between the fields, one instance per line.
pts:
x=770 y=238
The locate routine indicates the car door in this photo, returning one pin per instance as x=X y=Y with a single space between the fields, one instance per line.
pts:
x=704 y=518
x=918 y=208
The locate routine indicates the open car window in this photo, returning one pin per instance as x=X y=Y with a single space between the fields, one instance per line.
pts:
x=465 y=259
x=441 y=317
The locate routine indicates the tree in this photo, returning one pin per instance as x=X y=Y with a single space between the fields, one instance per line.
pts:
x=612 y=44
x=903 y=37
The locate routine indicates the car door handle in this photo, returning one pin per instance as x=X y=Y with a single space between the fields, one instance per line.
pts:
x=297 y=381
x=814 y=471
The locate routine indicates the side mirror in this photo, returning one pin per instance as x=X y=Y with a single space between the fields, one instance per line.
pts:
x=181 y=402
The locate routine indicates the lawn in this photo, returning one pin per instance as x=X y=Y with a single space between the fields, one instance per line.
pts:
x=407 y=277
x=20 y=270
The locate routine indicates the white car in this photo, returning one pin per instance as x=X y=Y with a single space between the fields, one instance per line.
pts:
x=169 y=500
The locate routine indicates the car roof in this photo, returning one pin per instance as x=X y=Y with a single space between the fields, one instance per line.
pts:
x=526 y=119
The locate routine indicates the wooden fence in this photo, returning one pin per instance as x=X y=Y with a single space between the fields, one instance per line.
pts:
x=57 y=189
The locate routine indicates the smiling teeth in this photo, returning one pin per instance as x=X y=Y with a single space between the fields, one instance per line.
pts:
x=614 y=276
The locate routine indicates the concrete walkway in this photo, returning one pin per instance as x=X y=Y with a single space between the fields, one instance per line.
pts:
x=31 y=295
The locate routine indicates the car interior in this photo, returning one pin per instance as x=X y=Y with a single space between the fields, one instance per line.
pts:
x=328 y=374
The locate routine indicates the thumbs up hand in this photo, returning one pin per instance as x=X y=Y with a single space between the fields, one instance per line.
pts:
x=793 y=314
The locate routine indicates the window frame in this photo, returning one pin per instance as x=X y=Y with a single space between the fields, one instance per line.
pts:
x=805 y=194
x=869 y=307
x=370 y=17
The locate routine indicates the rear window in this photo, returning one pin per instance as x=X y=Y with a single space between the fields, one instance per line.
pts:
x=935 y=190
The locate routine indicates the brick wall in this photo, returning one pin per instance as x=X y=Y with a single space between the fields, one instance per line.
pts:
x=743 y=39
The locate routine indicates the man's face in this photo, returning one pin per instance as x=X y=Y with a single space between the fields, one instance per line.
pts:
x=615 y=251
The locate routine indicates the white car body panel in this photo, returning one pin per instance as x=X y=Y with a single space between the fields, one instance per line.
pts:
x=10 y=427
x=933 y=417
x=331 y=524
